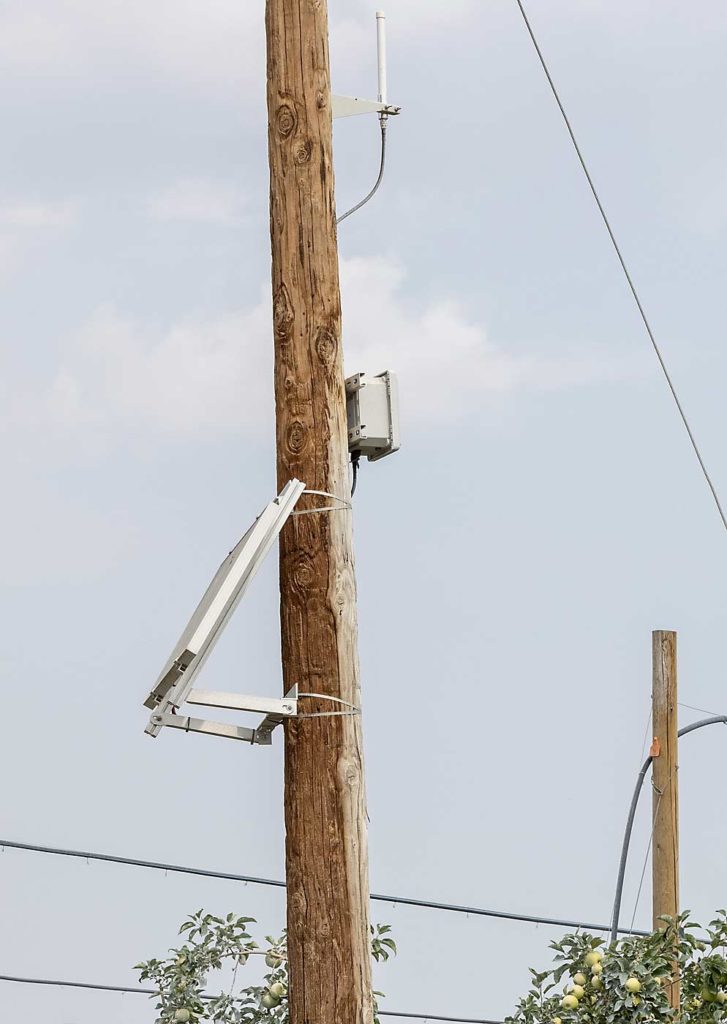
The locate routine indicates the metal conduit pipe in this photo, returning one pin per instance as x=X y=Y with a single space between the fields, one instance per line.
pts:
x=714 y=720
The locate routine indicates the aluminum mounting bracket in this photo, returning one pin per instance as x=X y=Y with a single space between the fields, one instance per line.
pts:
x=277 y=710
x=272 y=720
x=231 y=732
x=285 y=707
x=348 y=106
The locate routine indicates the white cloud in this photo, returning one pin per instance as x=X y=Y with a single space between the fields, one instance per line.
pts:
x=30 y=37
x=194 y=379
x=210 y=379
x=449 y=369
x=37 y=215
x=198 y=201
x=439 y=354
x=353 y=36
x=24 y=226
x=199 y=40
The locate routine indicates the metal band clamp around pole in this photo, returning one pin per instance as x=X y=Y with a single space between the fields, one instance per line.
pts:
x=343 y=505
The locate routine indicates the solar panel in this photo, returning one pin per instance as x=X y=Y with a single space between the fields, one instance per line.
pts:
x=212 y=614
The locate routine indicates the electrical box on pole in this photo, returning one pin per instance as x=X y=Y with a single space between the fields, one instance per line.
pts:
x=372 y=409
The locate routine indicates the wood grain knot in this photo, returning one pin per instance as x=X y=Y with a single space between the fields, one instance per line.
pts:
x=283 y=315
x=349 y=773
x=302 y=152
x=303 y=572
x=296 y=437
x=321 y=102
x=297 y=903
x=286 y=121
x=326 y=346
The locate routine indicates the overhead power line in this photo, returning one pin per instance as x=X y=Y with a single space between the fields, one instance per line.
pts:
x=127 y=990
x=454 y=908
x=622 y=261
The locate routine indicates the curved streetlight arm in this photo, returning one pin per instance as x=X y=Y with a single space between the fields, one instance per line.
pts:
x=714 y=720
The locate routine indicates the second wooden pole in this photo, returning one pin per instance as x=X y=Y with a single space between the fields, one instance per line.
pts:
x=665 y=856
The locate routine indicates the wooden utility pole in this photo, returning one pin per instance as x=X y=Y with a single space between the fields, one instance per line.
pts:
x=665 y=856
x=325 y=812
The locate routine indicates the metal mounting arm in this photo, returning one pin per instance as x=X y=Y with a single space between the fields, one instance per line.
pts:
x=277 y=708
x=347 y=106
x=232 y=732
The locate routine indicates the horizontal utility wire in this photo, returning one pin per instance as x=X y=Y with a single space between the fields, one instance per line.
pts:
x=624 y=267
x=255 y=880
x=125 y=990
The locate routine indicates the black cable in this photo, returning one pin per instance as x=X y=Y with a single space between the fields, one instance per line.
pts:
x=429 y=1016
x=133 y=862
x=355 y=459
x=408 y=901
x=713 y=720
x=383 y=118
x=125 y=990
x=625 y=269
x=80 y=984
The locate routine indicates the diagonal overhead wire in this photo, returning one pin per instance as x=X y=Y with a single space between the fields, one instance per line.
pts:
x=407 y=901
x=624 y=267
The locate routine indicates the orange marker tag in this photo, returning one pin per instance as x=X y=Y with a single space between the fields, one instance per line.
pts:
x=655 y=750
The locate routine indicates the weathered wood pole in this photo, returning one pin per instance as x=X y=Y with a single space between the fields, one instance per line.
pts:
x=665 y=855
x=325 y=813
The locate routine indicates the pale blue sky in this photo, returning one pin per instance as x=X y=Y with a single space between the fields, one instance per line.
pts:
x=544 y=515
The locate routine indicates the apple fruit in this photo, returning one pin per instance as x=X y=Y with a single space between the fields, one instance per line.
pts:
x=632 y=985
x=569 y=1002
x=579 y=979
x=593 y=957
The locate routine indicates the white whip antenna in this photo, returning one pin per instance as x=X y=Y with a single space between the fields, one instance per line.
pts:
x=381 y=53
x=347 y=106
